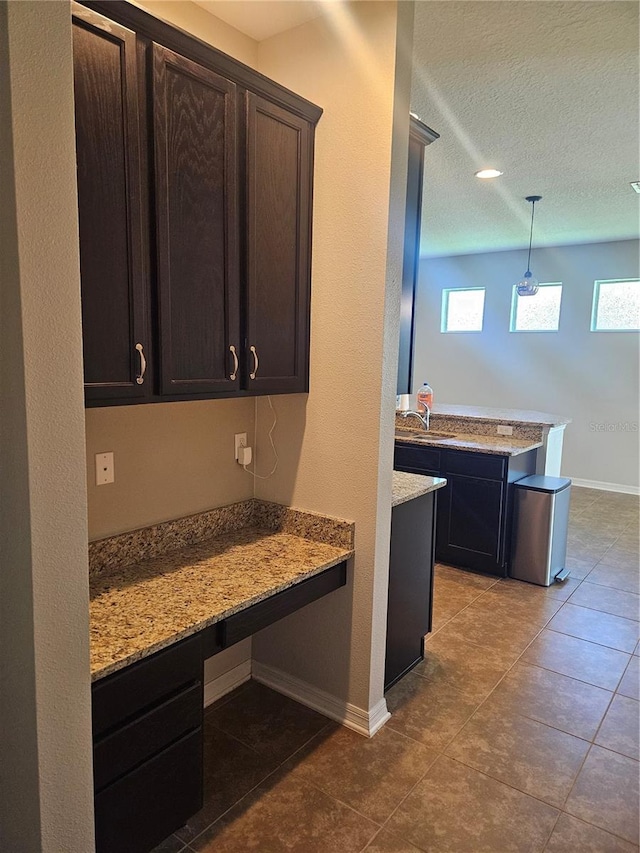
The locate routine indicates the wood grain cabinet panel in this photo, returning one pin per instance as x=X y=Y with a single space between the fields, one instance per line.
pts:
x=474 y=508
x=278 y=158
x=194 y=129
x=195 y=184
x=114 y=303
x=410 y=601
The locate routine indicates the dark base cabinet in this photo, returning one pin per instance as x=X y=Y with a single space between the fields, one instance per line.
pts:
x=474 y=508
x=147 y=750
x=147 y=726
x=410 y=585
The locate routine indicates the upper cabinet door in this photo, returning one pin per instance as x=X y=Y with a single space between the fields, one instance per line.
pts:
x=278 y=227
x=114 y=288
x=194 y=126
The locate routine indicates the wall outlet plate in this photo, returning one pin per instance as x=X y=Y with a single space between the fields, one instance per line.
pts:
x=504 y=430
x=105 y=471
x=239 y=440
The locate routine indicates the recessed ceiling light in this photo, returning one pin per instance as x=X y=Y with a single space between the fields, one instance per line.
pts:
x=636 y=186
x=488 y=173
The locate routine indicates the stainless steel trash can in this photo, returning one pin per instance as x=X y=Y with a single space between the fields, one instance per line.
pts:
x=539 y=532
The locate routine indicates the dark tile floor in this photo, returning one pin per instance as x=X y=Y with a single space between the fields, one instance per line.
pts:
x=519 y=731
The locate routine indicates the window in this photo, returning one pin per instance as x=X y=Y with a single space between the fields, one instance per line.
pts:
x=616 y=306
x=462 y=309
x=539 y=313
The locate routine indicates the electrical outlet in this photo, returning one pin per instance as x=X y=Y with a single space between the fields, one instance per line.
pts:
x=105 y=472
x=504 y=430
x=239 y=440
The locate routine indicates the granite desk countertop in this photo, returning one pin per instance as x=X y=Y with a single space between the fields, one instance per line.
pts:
x=489 y=414
x=407 y=486
x=498 y=445
x=139 y=607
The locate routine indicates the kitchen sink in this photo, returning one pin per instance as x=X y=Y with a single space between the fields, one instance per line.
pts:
x=423 y=435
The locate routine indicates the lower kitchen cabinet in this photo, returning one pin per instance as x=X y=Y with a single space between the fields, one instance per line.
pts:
x=474 y=508
x=148 y=725
x=147 y=748
x=410 y=585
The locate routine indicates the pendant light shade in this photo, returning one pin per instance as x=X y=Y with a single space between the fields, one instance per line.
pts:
x=528 y=284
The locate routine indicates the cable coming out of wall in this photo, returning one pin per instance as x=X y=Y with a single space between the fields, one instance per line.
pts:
x=273 y=447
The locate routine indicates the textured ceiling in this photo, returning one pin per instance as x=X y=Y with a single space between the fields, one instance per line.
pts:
x=545 y=91
x=548 y=93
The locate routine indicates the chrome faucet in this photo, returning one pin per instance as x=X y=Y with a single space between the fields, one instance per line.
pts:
x=424 y=419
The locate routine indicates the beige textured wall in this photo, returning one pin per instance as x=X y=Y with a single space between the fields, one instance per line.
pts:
x=47 y=803
x=171 y=459
x=336 y=445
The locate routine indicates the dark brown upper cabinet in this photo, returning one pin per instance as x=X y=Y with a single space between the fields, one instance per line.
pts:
x=114 y=304
x=195 y=177
x=195 y=168
x=278 y=247
x=419 y=137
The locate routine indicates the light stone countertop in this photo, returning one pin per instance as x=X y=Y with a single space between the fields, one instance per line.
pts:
x=498 y=445
x=140 y=608
x=407 y=486
x=513 y=416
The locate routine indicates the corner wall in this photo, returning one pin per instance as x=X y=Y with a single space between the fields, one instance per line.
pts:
x=592 y=377
x=335 y=445
x=47 y=795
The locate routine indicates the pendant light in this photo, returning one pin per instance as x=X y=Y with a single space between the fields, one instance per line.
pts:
x=528 y=284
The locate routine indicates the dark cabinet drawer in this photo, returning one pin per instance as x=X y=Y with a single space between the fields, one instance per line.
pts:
x=138 y=687
x=421 y=460
x=474 y=465
x=260 y=615
x=122 y=750
x=141 y=809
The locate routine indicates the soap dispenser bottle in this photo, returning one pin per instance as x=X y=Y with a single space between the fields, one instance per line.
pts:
x=425 y=398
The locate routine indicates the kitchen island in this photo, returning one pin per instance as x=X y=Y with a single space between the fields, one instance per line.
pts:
x=481 y=452
x=481 y=429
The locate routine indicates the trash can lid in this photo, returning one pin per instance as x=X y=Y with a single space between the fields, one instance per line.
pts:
x=540 y=483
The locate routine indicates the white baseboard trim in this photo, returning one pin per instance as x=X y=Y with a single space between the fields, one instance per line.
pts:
x=225 y=683
x=364 y=722
x=607 y=487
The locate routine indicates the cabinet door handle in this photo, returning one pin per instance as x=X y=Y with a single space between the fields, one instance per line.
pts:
x=255 y=363
x=143 y=365
x=234 y=373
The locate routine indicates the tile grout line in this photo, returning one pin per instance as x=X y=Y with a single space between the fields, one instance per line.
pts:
x=441 y=753
x=257 y=785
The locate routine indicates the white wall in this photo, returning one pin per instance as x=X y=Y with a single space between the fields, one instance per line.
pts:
x=45 y=748
x=336 y=445
x=590 y=377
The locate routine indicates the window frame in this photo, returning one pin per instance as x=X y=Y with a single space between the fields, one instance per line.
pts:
x=444 y=311
x=514 y=304
x=594 y=304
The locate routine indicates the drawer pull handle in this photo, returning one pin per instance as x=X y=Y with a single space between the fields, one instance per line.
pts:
x=255 y=363
x=234 y=373
x=143 y=365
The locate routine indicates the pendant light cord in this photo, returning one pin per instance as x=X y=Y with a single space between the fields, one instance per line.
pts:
x=533 y=210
